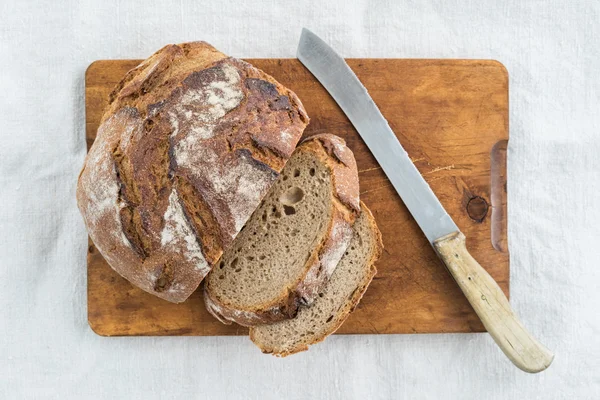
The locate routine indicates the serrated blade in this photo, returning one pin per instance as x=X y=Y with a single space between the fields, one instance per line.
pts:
x=350 y=94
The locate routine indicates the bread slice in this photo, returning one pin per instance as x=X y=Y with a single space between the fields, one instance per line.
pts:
x=335 y=303
x=292 y=243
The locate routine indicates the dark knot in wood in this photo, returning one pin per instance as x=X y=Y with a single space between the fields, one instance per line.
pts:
x=477 y=208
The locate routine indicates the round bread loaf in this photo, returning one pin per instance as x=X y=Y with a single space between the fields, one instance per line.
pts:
x=189 y=144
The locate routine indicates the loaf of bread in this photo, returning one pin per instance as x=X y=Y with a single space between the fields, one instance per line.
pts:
x=335 y=302
x=189 y=144
x=292 y=243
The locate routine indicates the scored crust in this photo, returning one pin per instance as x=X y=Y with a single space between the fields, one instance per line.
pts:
x=190 y=142
x=334 y=153
x=343 y=313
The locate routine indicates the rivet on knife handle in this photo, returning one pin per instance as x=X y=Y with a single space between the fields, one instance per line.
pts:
x=480 y=289
x=491 y=305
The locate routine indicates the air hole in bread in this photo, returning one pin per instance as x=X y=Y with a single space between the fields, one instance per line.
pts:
x=312 y=172
x=221 y=264
x=234 y=262
x=296 y=173
x=292 y=196
x=261 y=257
x=221 y=276
x=288 y=210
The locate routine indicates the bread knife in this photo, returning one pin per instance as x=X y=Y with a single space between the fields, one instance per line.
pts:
x=484 y=294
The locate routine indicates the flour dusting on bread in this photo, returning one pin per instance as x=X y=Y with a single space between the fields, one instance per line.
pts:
x=178 y=231
x=201 y=108
x=102 y=187
x=101 y=183
x=341 y=236
x=236 y=185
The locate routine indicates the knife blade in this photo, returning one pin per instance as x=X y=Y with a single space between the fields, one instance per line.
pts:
x=484 y=294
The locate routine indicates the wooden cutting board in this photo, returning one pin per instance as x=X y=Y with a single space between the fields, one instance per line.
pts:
x=452 y=118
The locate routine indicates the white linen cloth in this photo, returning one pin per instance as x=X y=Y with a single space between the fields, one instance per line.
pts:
x=552 y=52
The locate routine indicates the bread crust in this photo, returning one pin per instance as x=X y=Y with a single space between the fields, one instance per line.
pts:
x=189 y=144
x=334 y=153
x=349 y=306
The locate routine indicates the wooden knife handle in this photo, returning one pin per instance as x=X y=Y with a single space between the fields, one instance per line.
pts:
x=491 y=305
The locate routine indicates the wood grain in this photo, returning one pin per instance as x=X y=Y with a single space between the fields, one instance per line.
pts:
x=452 y=118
